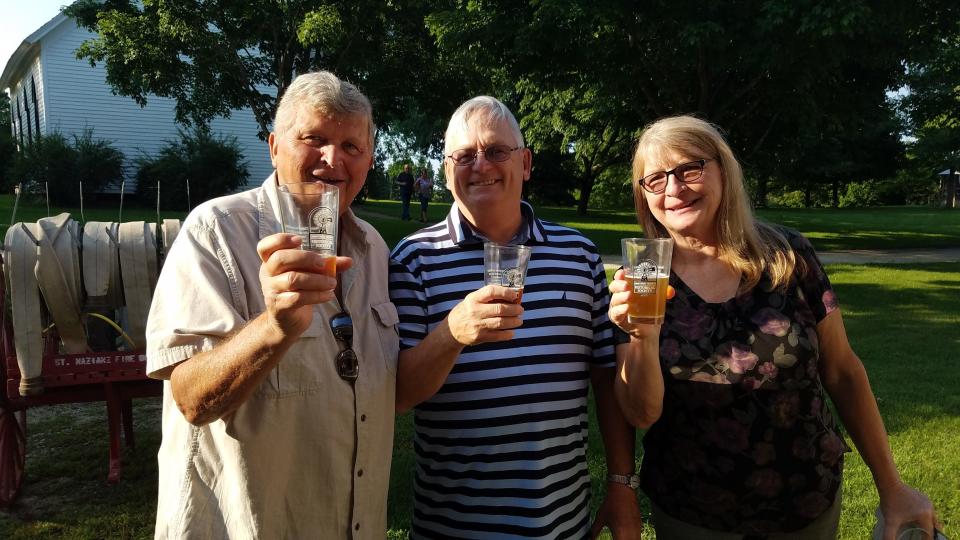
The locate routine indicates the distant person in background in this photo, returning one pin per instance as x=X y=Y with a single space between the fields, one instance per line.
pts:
x=424 y=190
x=741 y=369
x=405 y=181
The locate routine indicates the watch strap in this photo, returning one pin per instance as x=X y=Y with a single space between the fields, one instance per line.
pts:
x=631 y=480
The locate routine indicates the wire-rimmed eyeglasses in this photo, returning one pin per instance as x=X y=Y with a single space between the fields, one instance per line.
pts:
x=466 y=156
x=688 y=173
x=347 y=365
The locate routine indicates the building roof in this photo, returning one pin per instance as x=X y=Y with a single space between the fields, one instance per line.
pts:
x=26 y=51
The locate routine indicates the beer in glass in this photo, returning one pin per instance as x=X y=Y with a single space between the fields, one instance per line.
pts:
x=646 y=266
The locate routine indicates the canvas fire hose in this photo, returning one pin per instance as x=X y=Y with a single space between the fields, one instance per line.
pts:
x=107 y=270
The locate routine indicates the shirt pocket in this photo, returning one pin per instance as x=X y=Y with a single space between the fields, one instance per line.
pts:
x=387 y=318
x=307 y=365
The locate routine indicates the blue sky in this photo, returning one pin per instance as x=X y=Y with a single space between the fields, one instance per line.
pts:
x=19 y=19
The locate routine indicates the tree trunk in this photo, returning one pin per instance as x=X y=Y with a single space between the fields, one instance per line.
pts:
x=586 y=186
x=761 y=197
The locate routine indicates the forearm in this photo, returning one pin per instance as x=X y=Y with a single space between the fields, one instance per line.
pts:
x=617 y=434
x=638 y=384
x=214 y=383
x=857 y=407
x=423 y=369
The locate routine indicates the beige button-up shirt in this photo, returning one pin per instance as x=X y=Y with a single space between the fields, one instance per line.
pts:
x=308 y=455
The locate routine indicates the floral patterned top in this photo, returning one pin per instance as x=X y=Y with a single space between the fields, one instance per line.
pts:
x=746 y=442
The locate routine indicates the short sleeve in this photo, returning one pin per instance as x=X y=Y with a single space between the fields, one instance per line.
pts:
x=812 y=279
x=603 y=330
x=407 y=293
x=195 y=303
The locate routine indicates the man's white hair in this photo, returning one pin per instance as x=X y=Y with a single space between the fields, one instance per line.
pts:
x=326 y=94
x=486 y=109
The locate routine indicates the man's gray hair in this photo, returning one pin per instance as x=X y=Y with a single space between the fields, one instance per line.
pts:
x=486 y=109
x=325 y=93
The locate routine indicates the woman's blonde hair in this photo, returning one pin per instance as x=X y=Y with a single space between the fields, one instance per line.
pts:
x=748 y=245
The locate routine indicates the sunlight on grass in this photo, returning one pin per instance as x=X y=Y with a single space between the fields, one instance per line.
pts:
x=903 y=322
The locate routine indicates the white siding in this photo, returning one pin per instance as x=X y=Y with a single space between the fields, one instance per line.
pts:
x=78 y=97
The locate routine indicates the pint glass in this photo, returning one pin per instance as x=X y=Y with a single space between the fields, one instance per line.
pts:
x=646 y=265
x=311 y=211
x=505 y=265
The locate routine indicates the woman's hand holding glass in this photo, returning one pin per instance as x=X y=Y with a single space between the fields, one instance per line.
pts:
x=621 y=291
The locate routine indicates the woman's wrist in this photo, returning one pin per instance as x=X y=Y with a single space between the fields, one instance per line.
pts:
x=889 y=483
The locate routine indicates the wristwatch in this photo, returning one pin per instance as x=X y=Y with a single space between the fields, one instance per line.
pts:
x=631 y=480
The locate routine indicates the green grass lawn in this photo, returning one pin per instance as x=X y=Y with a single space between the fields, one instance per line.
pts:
x=828 y=229
x=903 y=320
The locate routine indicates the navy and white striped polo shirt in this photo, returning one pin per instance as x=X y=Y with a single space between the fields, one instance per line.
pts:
x=501 y=448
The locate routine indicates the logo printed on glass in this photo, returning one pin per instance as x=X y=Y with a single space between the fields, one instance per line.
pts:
x=645 y=278
x=320 y=237
x=506 y=277
x=513 y=278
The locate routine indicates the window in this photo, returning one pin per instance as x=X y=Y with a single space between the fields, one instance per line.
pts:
x=20 y=123
x=36 y=110
x=26 y=112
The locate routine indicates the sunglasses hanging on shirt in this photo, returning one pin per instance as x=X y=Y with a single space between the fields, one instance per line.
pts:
x=347 y=365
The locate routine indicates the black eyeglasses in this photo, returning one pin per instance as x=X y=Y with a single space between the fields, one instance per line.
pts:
x=466 y=156
x=347 y=366
x=688 y=173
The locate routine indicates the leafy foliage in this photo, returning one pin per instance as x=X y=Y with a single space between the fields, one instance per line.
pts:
x=793 y=83
x=931 y=105
x=217 y=56
x=52 y=164
x=799 y=86
x=211 y=166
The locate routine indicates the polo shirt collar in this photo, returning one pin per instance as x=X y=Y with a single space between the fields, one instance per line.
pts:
x=463 y=233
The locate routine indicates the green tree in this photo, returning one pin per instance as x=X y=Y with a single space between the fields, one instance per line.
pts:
x=587 y=77
x=931 y=104
x=8 y=146
x=219 y=55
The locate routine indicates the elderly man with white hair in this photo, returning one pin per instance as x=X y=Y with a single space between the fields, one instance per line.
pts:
x=500 y=386
x=279 y=374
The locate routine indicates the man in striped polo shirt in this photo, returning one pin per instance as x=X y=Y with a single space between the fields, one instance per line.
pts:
x=500 y=388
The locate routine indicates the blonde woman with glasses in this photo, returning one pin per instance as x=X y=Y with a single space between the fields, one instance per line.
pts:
x=735 y=381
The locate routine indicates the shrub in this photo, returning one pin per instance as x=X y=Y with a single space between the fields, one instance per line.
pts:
x=8 y=153
x=896 y=191
x=52 y=164
x=213 y=166
x=860 y=194
x=787 y=199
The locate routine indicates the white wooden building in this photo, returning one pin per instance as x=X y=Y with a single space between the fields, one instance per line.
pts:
x=51 y=90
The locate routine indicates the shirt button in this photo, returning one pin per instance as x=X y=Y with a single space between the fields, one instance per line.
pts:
x=356 y=527
x=360 y=472
x=363 y=418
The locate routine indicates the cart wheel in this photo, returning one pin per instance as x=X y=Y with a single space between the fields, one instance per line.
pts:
x=13 y=448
